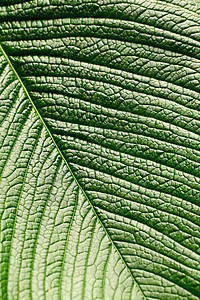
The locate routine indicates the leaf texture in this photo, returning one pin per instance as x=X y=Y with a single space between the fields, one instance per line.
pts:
x=100 y=152
x=50 y=238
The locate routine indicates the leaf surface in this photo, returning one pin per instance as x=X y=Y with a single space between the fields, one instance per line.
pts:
x=100 y=152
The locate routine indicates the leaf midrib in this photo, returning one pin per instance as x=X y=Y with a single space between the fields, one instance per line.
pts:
x=72 y=174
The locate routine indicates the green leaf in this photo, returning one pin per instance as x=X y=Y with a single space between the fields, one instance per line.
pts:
x=100 y=149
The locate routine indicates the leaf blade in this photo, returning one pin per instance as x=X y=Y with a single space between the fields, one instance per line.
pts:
x=107 y=94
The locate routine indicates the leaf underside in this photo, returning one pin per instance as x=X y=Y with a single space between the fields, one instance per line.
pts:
x=100 y=149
